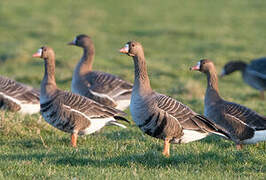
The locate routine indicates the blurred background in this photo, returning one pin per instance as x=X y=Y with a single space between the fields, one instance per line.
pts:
x=175 y=35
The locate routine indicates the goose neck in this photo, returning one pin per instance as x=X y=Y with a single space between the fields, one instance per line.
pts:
x=212 y=85
x=142 y=82
x=48 y=84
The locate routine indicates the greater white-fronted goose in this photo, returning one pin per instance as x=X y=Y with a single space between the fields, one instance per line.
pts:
x=71 y=112
x=254 y=74
x=18 y=97
x=244 y=125
x=161 y=116
x=102 y=87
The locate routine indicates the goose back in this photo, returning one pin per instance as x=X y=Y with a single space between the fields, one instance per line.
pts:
x=104 y=88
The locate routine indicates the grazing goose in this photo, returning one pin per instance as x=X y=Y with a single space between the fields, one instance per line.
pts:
x=102 y=87
x=70 y=112
x=242 y=124
x=18 y=97
x=161 y=116
x=254 y=74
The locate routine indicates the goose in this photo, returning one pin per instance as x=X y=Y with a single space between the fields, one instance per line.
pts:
x=18 y=97
x=254 y=74
x=243 y=125
x=102 y=87
x=161 y=116
x=71 y=112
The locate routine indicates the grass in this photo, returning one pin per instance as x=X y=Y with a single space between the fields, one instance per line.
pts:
x=175 y=35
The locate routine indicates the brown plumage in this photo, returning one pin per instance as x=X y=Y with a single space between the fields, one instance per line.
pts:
x=243 y=125
x=18 y=97
x=102 y=87
x=161 y=116
x=71 y=112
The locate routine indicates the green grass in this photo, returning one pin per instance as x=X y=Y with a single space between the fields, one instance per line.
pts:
x=175 y=35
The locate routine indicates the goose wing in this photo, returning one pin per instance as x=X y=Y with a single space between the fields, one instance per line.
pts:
x=108 y=85
x=186 y=117
x=245 y=115
x=87 y=106
x=19 y=91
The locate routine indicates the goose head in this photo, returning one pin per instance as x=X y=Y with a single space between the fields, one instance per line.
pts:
x=81 y=40
x=203 y=66
x=132 y=48
x=44 y=53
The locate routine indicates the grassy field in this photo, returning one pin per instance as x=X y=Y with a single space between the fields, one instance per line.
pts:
x=175 y=35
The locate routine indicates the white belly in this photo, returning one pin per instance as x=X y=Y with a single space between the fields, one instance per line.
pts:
x=190 y=135
x=258 y=136
x=96 y=124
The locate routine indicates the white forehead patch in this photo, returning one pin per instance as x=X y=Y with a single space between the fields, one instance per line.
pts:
x=39 y=51
x=75 y=40
x=198 y=64
x=127 y=47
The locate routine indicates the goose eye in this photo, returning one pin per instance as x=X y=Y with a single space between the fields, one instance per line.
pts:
x=133 y=45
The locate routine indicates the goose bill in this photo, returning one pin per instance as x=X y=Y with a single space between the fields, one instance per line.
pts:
x=124 y=49
x=195 y=68
x=38 y=54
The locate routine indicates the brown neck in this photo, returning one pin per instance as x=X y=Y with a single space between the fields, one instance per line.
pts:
x=86 y=62
x=142 y=82
x=48 y=85
x=212 y=84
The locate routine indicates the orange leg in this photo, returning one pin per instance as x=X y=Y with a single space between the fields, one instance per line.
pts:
x=239 y=146
x=166 y=150
x=74 y=138
x=262 y=95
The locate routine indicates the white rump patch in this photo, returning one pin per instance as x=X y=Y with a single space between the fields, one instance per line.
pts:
x=190 y=135
x=258 y=136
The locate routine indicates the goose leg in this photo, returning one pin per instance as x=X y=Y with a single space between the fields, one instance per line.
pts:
x=262 y=95
x=239 y=146
x=166 y=150
x=74 y=137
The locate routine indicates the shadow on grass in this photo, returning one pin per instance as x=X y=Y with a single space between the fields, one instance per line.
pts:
x=148 y=160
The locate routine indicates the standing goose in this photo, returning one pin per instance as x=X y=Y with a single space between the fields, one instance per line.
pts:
x=159 y=115
x=18 y=97
x=254 y=74
x=102 y=87
x=70 y=112
x=243 y=125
